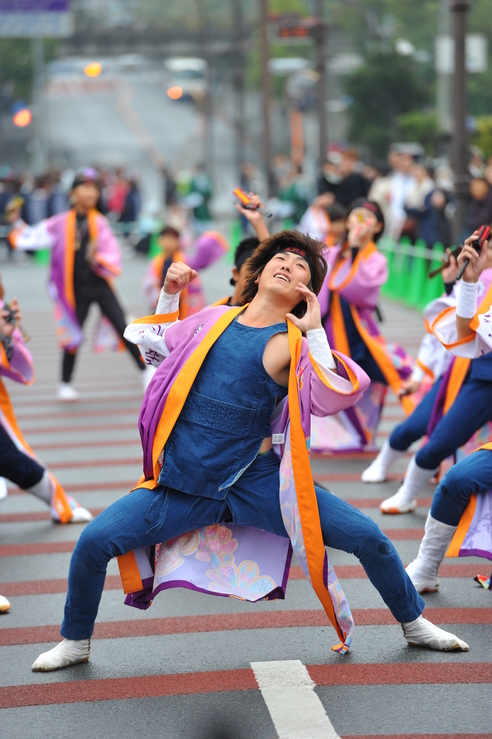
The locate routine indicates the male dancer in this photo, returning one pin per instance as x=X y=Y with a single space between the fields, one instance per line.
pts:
x=85 y=257
x=467 y=384
x=207 y=441
x=467 y=485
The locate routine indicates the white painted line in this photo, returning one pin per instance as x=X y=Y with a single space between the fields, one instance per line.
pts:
x=296 y=710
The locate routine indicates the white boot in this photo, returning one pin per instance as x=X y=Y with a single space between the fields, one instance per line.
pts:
x=377 y=471
x=423 y=570
x=67 y=393
x=3 y=488
x=423 y=633
x=4 y=604
x=66 y=653
x=45 y=490
x=403 y=501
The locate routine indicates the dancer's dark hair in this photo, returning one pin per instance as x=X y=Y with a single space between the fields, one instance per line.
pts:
x=286 y=241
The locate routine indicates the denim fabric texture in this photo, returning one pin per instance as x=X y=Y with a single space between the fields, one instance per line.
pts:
x=148 y=517
x=216 y=437
x=473 y=474
x=469 y=412
x=414 y=427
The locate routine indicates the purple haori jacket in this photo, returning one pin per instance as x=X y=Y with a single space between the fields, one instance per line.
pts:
x=228 y=560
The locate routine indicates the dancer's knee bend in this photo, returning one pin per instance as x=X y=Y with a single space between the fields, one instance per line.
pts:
x=402 y=437
x=452 y=496
x=431 y=455
x=374 y=543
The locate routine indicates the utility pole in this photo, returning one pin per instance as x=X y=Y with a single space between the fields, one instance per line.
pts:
x=39 y=153
x=238 y=82
x=459 y=148
x=319 y=40
x=443 y=86
x=206 y=104
x=266 y=94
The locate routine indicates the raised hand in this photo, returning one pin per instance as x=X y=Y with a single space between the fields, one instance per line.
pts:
x=312 y=317
x=477 y=263
x=251 y=213
x=452 y=267
x=178 y=276
x=7 y=327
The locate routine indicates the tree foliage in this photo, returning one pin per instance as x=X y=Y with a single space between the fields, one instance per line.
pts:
x=386 y=87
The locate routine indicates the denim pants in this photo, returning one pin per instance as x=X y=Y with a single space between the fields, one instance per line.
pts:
x=148 y=517
x=469 y=412
x=472 y=475
x=414 y=427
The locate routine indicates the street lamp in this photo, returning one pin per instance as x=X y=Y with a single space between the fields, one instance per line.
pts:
x=459 y=147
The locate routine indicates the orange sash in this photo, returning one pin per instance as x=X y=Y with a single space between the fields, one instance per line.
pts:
x=374 y=344
x=71 y=226
x=461 y=365
x=60 y=501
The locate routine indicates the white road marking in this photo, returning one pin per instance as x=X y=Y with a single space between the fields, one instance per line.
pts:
x=288 y=692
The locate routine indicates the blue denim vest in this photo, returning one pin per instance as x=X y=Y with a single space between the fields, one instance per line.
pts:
x=226 y=415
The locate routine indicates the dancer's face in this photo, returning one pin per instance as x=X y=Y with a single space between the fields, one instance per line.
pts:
x=85 y=195
x=282 y=274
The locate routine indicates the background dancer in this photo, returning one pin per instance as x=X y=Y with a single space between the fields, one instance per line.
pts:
x=431 y=364
x=467 y=384
x=85 y=257
x=208 y=248
x=18 y=462
x=467 y=486
x=348 y=301
x=199 y=473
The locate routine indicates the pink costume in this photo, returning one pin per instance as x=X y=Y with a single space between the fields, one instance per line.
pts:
x=58 y=234
x=348 y=300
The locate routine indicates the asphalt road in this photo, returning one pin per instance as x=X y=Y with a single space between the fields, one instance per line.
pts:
x=128 y=120
x=196 y=666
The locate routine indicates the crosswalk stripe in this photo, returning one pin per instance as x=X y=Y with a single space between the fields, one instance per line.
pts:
x=295 y=709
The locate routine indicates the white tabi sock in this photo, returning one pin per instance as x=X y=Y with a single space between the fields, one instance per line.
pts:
x=67 y=652
x=403 y=501
x=423 y=633
x=377 y=471
x=424 y=569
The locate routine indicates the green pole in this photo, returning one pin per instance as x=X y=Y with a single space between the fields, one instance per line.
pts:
x=401 y=266
x=434 y=287
x=418 y=275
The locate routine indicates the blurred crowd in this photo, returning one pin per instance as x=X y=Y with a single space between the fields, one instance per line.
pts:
x=48 y=194
x=415 y=194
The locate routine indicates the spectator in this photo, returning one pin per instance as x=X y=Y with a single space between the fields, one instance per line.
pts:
x=402 y=182
x=133 y=200
x=293 y=189
x=415 y=201
x=201 y=188
x=351 y=184
x=479 y=209
x=432 y=223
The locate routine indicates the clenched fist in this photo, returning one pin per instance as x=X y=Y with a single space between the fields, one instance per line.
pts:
x=178 y=276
